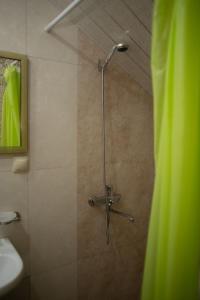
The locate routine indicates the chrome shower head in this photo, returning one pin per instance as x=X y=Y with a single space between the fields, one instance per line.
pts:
x=118 y=47
x=122 y=47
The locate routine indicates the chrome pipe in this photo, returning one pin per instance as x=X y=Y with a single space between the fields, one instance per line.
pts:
x=103 y=130
x=65 y=12
x=108 y=58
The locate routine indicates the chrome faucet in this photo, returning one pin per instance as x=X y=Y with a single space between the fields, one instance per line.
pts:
x=108 y=199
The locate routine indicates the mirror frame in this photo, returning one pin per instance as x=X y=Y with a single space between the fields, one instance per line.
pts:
x=23 y=104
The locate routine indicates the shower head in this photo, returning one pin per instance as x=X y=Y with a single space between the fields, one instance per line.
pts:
x=122 y=47
x=118 y=47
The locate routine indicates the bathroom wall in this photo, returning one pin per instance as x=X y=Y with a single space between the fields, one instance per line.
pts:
x=62 y=240
x=115 y=271
x=45 y=196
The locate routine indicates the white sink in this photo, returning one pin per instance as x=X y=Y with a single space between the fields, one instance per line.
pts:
x=11 y=266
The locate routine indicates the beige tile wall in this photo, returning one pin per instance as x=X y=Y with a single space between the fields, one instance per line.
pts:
x=46 y=195
x=63 y=78
x=115 y=271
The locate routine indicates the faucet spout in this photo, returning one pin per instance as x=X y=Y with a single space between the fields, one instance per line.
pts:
x=122 y=214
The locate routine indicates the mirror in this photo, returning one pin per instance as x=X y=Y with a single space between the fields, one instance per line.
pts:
x=13 y=103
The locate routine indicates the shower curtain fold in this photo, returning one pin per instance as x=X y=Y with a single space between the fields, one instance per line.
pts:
x=173 y=249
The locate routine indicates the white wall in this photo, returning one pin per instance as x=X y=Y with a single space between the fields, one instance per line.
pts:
x=46 y=195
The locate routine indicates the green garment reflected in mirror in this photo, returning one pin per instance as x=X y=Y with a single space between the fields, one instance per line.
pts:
x=10 y=121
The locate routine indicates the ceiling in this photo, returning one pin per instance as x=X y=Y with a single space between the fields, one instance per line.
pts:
x=112 y=21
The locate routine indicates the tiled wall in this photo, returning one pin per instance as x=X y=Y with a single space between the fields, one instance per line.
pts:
x=63 y=79
x=113 y=272
x=46 y=195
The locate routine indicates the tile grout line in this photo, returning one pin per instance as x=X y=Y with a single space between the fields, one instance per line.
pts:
x=136 y=16
x=59 y=61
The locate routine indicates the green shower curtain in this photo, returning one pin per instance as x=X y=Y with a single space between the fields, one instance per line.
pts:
x=172 y=261
x=10 y=120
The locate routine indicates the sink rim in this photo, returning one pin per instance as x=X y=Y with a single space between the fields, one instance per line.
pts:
x=8 y=251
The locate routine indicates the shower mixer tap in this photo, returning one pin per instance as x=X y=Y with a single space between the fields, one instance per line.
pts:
x=108 y=199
